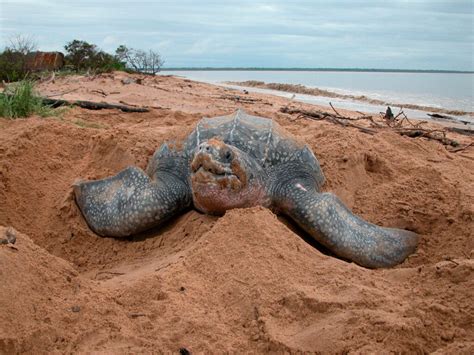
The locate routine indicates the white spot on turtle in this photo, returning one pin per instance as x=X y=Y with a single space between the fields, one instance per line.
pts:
x=301 y=187
x=130 y=191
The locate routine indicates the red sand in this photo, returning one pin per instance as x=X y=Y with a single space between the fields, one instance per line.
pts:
x=245 y=282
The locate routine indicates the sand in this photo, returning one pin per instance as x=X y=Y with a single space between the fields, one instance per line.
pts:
x=249 y=281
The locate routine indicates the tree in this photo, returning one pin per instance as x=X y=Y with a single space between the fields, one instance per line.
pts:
x=122 y=52
x=80 y=54
x=83 y=55
x=13 y=57
x=154 y=62
x=139 y=60
x=22 y=44
x=12 y=65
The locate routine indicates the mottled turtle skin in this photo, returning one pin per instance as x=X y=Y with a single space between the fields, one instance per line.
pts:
x=238 y=161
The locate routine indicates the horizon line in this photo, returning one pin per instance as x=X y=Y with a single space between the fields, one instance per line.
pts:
x=385 y=70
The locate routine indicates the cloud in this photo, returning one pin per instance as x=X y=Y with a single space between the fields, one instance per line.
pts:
x=300 y=33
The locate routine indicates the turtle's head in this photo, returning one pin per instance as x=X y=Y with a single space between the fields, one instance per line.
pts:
x=224 y=177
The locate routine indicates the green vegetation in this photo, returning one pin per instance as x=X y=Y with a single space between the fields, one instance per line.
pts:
x=80 y=57
x=13 y=58
x=20 y=100
x=139 y=60
x=11 y=66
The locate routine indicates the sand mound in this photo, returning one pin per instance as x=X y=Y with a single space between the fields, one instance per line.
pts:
x=247 y=281
x=47 y=306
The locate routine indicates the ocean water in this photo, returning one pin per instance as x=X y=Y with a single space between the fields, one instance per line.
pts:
x=450 y=91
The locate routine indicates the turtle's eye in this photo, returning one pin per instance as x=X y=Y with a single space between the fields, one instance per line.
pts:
x=228 y=155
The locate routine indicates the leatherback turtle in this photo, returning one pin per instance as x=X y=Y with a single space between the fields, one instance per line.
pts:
x=238 y=161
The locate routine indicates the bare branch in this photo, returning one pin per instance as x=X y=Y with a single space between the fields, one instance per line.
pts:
x=22 y=44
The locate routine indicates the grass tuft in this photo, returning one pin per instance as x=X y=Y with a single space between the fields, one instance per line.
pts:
x=20 y=100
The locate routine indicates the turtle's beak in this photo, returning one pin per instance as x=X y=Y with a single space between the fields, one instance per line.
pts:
x=218 y=152
x=217 y=163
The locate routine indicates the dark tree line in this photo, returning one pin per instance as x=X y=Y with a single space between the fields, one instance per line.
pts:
x=80 y=56
x=83 y=55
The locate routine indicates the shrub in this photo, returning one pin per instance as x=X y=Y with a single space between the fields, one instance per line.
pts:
x=13 y=57
x=82 y=55
x=12 y=65
x=20 y=100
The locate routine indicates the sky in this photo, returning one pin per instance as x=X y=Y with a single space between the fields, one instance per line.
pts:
x=398 y=34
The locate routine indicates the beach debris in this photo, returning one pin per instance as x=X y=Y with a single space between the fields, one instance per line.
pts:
x=127 y=81
x=433 y=134
x=241 y=99
x=9 y=236
x=461 y=148
x=48 y=78
x=100 y=92
x=90 y=105
x=327 y=116
x=395 y=124
x=64 y=92
x=389 y=114
x=444 y=117
x=466 y=132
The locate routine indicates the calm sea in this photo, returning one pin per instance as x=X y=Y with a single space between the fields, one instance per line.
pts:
x=451 y=91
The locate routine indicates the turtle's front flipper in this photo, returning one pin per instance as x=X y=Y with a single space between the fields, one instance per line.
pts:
x=332 y=224
x=131 y=201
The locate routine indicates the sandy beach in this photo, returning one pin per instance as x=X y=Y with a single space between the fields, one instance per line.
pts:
x=250 y=281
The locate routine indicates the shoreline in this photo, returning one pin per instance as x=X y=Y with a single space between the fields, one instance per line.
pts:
x=301 y=89
x=439 y=98
x=354 y=70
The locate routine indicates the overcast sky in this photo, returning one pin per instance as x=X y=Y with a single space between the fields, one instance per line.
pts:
x=411 y=34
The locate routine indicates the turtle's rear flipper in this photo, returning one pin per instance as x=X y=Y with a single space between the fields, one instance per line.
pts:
x=332 y=224
x=130 y=201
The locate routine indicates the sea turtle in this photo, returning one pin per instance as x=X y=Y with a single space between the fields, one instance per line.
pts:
x=238 y=161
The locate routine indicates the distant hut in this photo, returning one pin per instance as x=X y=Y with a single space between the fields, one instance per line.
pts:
x=39 y=61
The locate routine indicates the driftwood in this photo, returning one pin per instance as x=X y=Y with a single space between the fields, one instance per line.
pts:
x=392 y=122
x=466 y=132
x=434 y=134
x=92 y=105
x=444 y=117
x=63 y=93
x=241 y=99
x=459 y=149
x=100 y=92
x=320 y=115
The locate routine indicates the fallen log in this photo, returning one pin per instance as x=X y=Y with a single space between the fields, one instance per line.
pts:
x=320 y=115
x=92 y=105
x=412 y=132
x=444 y=117
x=466 y=132
x=459 y=149
x=238 y=98
x=437 y=135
